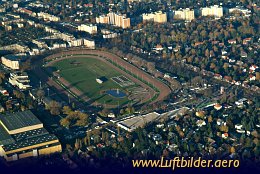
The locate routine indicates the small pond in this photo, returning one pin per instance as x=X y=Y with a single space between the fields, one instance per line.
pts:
x=116 y=93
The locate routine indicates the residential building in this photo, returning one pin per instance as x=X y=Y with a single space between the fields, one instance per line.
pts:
x=92 y=29
x=16 y=47
x=185 y=14
x=89 y=43
x=148 y=16
x=65 y=36
x=26 y=11
x=22 y=135
x=48 y=17
x=102 y=19
x=13 y=61
x=114 y=19
x=21 y=80
x=107 y=34
x=244 y=11
x=75 y=43
x=160 y=17
x=215 y=10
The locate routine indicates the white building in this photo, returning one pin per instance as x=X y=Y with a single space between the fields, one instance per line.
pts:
x=89 y=43
x=185 y=14
x=102 y=19
x=75 y=43
x=158 y=17
x=112 y=18
x=48 y=17
x=92 y=29
x=148 y=16
x=137 y=121
x=215 y=10
x=82 y=42
x=21 y=80
x=12 y=61
x=242 y=10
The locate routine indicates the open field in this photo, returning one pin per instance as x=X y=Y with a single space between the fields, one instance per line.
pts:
x=82 y=72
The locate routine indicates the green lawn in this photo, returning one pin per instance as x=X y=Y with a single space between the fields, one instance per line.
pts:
x=83 y=73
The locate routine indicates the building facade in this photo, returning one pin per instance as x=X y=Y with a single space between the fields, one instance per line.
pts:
x=20 y=80
x=215 y=10
x=160 y=17
x=112 y=18
x=12 y=61
x=185 y=14
x=92 y=29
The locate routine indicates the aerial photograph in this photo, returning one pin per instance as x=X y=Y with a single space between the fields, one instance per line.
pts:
x=129 y=86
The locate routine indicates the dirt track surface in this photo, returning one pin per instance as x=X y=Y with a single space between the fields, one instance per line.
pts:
x=101 y=55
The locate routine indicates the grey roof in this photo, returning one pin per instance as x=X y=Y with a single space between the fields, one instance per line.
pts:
x=30 y=134
x=30 y=142
x=5 y=138
x=15 y=57
x=19 y=120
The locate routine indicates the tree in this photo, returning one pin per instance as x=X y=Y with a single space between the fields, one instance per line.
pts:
x=54 y=107
x=66 y=110
x=232 y=150
x=2 y=75
x=65 y=122
x=18 y=94
x=210 y=119
x=82 y=119
x=40 y=94
x=225 y=66
x=207 y=53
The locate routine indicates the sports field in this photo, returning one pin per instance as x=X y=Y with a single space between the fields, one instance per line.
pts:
x=82 y=73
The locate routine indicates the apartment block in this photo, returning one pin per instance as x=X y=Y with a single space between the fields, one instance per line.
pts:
x=185 y=14
x=215 y=10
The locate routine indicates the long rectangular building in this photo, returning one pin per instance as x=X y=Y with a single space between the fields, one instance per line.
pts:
x=22 y=135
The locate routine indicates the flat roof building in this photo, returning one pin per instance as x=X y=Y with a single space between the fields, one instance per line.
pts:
x=185 y=14
x=20 y=80
x=138 y=121
x=160 y=17
x=112 y=18
x=215 y=10
x=22 y=135
x=92 y=29
x=13 y=61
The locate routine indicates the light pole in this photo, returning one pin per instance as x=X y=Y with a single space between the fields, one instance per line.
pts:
x=69 y=98
x=48 y=89
x=118 y=106
x=40 y=84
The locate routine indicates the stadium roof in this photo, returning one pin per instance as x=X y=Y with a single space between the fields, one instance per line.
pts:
x=139 y=121
x=19 y=120
x=30 y=142
x=5 y=138
x=30 y=134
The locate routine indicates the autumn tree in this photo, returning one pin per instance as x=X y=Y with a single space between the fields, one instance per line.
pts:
x=54 y=107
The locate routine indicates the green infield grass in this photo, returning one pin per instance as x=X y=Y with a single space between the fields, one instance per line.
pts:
x=82 y=73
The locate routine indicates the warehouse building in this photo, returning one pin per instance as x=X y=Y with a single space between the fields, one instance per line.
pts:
x=22 y=135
